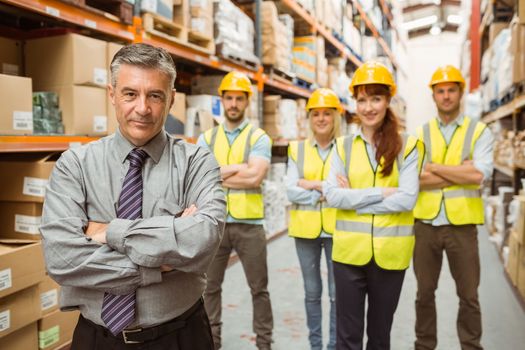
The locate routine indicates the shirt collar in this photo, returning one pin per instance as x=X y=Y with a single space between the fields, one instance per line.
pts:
x=458 y=121
x=153 y=148
x=313 y=143
x=359 y=133
x=238 y=128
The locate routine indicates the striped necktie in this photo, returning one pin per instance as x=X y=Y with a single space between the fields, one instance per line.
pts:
x=118 y=311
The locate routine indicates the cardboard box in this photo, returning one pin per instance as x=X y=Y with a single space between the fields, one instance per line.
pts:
x=208 y=103
x=112 y=123
x=519 y=225
x=514 y=258
x=202 y=26
x=20 y=220
x=521 y=11
x=181 y=12
x=56 y=329
x=517 y=50
x=18 y=310
x=495 y=28
x=179 y=107
x=25 y=180
x=10 y=56
x=521 y=273
x=271 y=104
x=16 y=109
x=83 y=108
x=162 y=8
x=66 y=60
x=21 y=266
x=48 y=291
x=25 y=338
x=201 y=8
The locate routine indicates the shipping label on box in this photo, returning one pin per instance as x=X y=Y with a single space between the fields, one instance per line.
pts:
x=56 y=329
x=21 y=266
x=48 y=290
x=18 y=310
x=16 y=109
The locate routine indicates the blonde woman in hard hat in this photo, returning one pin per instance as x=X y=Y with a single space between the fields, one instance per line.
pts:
x=244 y=154
x=373 y=183
x=458 y=159
x=312 y=222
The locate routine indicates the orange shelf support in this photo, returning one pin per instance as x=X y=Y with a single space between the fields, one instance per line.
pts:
x=76 y=15
x=41 y=143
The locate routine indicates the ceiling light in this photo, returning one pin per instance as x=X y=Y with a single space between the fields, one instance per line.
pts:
x=420 y=22
x=435 y=30
x=437 y=2
x=454 y=19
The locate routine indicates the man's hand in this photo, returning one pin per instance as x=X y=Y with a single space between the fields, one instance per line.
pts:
x=97 y=231
x=342 y=181
x=192 y=209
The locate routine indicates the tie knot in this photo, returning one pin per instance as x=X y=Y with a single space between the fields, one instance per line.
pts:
x=136 y=157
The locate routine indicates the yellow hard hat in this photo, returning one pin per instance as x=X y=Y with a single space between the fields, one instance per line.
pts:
x=236 y=81
x=373 y=73
x=447 y=74
x=324 y=98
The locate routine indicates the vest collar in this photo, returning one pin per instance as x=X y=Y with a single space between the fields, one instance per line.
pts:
x=240 y=128
x=458 y=121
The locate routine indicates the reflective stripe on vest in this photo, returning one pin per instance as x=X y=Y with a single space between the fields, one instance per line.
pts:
x=387 y=238
x=241 y=203
x=308 y=221
x=463 y=203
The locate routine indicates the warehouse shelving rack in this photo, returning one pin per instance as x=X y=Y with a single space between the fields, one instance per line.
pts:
x=99 y=24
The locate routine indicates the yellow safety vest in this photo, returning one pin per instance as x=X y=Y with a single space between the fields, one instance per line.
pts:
x=307 y=221
x=463 y=203
x=386 y=238
x=241 y=203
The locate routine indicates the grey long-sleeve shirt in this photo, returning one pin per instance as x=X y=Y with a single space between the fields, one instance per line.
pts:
x=85 y=186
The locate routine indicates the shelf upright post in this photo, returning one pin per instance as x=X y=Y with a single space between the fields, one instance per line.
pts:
x=475 y=65
x=258 y=53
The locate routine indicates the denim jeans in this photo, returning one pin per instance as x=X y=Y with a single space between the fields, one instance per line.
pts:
x=309 y=253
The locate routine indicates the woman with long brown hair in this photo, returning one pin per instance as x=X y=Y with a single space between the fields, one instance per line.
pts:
x=374 y=184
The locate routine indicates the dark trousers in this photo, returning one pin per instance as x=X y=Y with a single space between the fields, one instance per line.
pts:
x=461 y=246
x=352 y=285
x=195 y=334
x=249 y=241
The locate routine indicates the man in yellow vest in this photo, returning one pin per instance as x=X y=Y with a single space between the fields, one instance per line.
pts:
x=458 y=159
x=244 y=154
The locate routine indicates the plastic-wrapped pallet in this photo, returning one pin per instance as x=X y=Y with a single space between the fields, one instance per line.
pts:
x=501 y=69
x=234 y=32
x=288 y=111
x=47 y=117
x=275 y=200
x=276 y=47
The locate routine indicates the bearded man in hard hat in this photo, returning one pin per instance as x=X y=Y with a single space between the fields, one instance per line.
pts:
x=458 y=158
x=244 y=154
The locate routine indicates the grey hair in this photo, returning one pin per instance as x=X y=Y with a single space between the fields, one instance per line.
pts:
x=145 y=56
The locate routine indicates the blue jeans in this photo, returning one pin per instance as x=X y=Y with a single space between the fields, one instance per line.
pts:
x=309 y=253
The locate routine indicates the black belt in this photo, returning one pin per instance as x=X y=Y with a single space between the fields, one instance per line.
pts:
x=141 y=335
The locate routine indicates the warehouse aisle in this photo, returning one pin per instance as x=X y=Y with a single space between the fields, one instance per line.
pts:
x=503 y=316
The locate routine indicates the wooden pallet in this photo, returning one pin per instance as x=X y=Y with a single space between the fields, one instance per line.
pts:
x=164 y=28
x=279 y=75
x=204 y=42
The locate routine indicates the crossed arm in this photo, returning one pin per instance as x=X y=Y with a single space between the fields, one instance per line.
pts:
x=245 y=175
x=437 y=176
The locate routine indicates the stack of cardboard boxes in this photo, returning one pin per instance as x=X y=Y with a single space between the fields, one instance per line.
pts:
x=29 y=315
x=516 y=262
x=304 y=58
x=276 y=47
x=201 y=22
x=76 y=68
